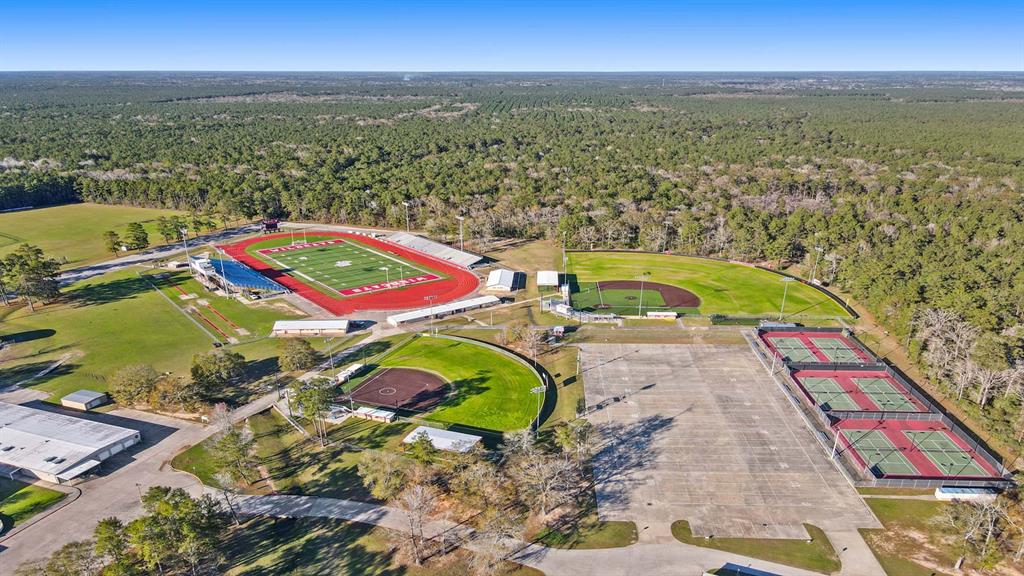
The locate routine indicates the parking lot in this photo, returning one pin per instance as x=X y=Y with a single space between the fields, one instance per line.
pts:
x=702 y=433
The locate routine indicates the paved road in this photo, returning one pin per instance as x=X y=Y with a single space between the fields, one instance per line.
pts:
x=84 y=272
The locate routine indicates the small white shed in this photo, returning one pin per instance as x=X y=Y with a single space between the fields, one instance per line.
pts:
x=84 y=400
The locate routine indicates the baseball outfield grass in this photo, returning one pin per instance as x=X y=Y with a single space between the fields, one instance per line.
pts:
x=723 y=287
x=490 y=390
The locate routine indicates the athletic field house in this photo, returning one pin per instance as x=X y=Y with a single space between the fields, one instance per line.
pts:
x=55 y=447
x=881 y=427
x=346 y=272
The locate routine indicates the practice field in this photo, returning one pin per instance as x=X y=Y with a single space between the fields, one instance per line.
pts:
x=722 y=287
x=75 y=231
x=856 y=391
x=816 y=347
x=484 y=387
x=345 y=273
x=911 y=449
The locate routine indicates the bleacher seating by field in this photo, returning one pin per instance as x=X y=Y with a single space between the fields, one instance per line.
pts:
x=435 y=249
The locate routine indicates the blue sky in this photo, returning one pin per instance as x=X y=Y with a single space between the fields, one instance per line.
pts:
x=500 y=36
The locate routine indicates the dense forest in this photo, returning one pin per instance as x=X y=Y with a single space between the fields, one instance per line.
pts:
x=905 y=188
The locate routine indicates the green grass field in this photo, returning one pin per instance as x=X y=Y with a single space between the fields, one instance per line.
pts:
x=723 y=287
x=491 y=390
x=20 y=501
x=816 y=555
x=913 y=530
x=75 y=231
x=107 y=322
x=344 y=265
x=623 y=302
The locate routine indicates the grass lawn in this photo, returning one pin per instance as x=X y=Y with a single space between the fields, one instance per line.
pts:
x=297 y=464
x=911 y=537
x=75 y=231
x=107 y=322
x=817 y=555
x=723 y=287
x=20 y=501
x=491 y=391
x=310 y=546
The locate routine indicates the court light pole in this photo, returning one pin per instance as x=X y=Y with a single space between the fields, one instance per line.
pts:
x=406 y=204
x=462 y=221
x=786 y=281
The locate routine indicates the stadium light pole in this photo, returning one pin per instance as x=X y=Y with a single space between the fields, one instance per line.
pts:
x=387 y=275
x=814 y=269
x=537 y=391
x=640 y=306
x=786 y=281
x=430 y=299
x=462 y=221
x=406 y=204
x=184 y=241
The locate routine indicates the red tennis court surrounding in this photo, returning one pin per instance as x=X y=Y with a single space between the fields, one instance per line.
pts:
x=855 y=390
x=457 y=283
x=815 y=347
x=925 y=449
x=402 y=388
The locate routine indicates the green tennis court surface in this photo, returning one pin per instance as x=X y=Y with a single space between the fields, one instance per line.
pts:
x=945 y=454
x=828 y=392
x=879 y=453
x=836 y=350
x=794 y=349
x=885 y=395
x=347 y=267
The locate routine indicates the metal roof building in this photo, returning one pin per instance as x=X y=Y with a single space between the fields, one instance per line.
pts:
x=55 y=447
x=84 y=399
x=310 y=328
x=444 y=439
x=502 y=280
x=547 y=278
x=442 y=310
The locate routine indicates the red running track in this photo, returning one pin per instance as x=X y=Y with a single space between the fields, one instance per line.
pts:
x=893 y=430
x=460 y=282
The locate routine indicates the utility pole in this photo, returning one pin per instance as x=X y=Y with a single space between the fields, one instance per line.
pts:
x=462 y=220
x=406 y=204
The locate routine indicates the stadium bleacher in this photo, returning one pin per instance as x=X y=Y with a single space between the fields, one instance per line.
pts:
x=435 y=249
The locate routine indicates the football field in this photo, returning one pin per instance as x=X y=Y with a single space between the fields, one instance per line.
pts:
x=346 y=267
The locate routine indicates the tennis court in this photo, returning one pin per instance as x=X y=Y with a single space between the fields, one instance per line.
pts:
x=838 y=349
x=874 y=450
x=912 y=448
x=944 y=453
x=885 y=395
x=816 y=347
x=854 y=390
x=792 y=349
x=828 y=394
